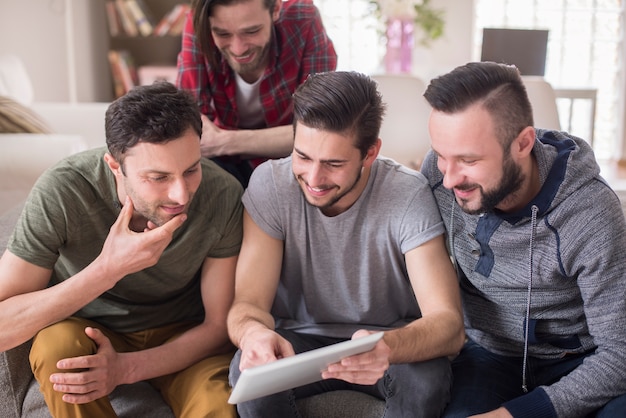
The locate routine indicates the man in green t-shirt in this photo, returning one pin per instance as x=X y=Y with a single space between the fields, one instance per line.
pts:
x=122 y=265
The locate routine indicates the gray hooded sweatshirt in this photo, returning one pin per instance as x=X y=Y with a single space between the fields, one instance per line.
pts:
x=558 y=265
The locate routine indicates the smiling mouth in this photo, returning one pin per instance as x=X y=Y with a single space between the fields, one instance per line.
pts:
x=173 y=210
x=464 y=193
x=318 y=191
x=243 y=59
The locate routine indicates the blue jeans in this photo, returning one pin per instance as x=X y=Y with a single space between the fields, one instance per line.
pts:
x=409 y=390
x=483 y=381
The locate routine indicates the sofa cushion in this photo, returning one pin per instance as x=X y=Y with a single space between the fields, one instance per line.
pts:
x=128 y=401
x=23 y=157
x=17 y=118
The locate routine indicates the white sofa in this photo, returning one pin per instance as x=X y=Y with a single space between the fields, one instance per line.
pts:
x=73 y=127
x=24 y=156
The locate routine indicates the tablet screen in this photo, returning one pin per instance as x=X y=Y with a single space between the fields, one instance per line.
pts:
x=298 y=370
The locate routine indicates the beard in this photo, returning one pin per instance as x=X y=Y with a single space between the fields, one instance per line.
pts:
x=151 y=211
x=334 y=199
x=510 y=182
x=253 y=68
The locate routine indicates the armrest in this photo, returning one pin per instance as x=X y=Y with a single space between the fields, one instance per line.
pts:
x=23 y=157
x=84 y=119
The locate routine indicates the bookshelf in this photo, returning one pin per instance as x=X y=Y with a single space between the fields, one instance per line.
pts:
x=148 y=46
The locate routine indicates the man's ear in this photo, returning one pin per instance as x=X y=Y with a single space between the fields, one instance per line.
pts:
x=525 y=141
x=114 y=166
x=278 y=5
x=372 y=153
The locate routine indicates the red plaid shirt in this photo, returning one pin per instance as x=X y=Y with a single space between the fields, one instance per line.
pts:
x=299 y=47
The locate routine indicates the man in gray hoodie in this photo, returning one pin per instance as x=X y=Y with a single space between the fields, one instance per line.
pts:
x=539 y=241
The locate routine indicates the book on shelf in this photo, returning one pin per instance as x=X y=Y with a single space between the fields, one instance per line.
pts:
x=123 y=71
x=128 y=21
x=113 y=19
x=173 y=21
x=139 y=12
x=116 y=73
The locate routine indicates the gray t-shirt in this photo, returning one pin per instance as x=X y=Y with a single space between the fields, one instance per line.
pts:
x=68 y=216
x=346 y=272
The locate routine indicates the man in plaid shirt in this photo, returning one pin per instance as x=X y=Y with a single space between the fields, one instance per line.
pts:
x=243 y=60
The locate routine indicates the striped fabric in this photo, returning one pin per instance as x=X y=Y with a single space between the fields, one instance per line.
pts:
x=17 y=118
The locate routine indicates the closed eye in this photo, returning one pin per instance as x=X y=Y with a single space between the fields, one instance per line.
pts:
x=192 y=171
x=469 y=162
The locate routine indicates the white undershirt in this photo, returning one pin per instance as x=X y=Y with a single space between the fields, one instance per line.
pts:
x=249 y=104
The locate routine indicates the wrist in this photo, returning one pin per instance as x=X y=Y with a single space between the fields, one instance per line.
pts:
x=250 y=329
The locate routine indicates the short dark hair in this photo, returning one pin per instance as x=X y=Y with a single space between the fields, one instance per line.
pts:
x=202 y=10
x=345 y=102
x=157 y=113
x=497 y=87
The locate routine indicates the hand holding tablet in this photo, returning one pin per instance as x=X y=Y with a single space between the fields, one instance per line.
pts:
x=298 y=370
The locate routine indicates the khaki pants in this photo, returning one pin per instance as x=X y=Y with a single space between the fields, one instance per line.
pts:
x=201 y=390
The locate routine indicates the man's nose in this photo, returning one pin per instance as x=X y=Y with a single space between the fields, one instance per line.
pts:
x=315 y=175
x=179 y=192
x=238 y=46
x=451 y=175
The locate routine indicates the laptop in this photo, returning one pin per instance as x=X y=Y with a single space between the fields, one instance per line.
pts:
x=525 y=48
x=298 y=370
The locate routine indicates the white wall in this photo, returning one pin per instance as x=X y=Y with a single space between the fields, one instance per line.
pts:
x=37 y=31
x=454 y=48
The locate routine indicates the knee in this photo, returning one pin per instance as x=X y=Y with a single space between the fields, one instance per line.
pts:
x=427 y=382
x=64 y=339
x=615 y=408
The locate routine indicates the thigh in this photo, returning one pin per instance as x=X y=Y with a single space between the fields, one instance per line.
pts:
x=67 y=339
x=614 y=409
x=422 y=387
x=482 y=381
x=199 y=390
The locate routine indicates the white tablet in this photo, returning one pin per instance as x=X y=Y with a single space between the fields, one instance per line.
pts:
x=298 y=370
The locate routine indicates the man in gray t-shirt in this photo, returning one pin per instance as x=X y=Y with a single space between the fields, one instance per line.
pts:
x=338 y=244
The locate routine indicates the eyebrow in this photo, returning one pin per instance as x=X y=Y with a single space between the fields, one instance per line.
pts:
x=457 y=156
x=219 y=30
x=154 y=171
x=331 y=160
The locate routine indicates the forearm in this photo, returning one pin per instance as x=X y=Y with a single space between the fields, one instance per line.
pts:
x=243 y=318
x=592 y=384
x=274 y=142
x=190 y=347
x=437 y=335
x=25 y=314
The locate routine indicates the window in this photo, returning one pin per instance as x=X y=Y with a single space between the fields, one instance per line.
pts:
x=355 y=32
x=584 y=50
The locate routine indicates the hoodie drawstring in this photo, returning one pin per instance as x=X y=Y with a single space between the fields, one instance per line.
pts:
x=451 y=238
x=533 y=223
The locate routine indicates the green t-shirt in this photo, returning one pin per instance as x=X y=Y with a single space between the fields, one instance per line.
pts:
x=67 y=218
